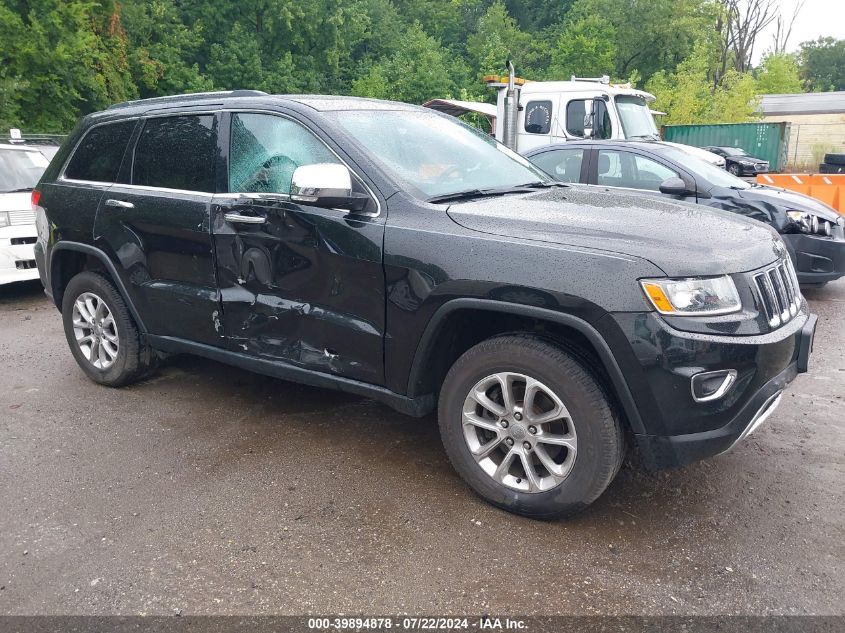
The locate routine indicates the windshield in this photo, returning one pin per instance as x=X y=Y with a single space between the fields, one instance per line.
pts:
x=708 y=171
x=637 y=121
x=20 y=169
x=436 y=154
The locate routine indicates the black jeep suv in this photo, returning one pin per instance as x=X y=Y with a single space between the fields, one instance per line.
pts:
x=391 y=251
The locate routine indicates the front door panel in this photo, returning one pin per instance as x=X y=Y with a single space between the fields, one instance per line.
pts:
x=306 y=286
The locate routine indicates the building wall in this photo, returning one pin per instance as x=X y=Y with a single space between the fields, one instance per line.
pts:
x=811 y=137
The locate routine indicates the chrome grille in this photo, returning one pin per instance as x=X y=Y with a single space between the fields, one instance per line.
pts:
x=779 y=293
x=21 y=217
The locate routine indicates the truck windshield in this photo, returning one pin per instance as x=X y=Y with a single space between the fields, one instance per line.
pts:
x=435 y=154
x=637 y=121
x=20 y=169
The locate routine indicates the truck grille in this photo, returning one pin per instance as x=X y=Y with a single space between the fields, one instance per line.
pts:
x=779 y=293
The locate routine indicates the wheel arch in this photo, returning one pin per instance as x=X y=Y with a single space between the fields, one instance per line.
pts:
x=428 y=368
x=80 y=254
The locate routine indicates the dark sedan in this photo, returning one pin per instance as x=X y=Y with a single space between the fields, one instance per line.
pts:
x=813 y=232
x=739 y=162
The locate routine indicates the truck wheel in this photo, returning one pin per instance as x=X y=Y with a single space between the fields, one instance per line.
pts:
x=102 y=336
x=529 y=428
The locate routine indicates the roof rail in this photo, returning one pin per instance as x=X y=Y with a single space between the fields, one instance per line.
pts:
x=223 y=94
x=604 y=79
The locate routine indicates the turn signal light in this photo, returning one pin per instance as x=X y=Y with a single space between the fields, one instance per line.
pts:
x=658 y=297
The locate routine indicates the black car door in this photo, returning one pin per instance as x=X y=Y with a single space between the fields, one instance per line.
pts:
x=299 y=284
x=637 y=172
x=565 y=164
x=156 y=224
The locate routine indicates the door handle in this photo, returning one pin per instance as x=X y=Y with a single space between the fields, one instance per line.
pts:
x=237 y=218
x=120 y=204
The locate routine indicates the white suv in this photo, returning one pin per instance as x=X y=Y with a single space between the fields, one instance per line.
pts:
x=20 y=168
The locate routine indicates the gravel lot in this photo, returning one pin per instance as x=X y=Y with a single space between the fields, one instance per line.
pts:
x=209 y=490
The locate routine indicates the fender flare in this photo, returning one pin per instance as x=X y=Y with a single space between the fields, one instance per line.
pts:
x=601 y=347
x=80 y=247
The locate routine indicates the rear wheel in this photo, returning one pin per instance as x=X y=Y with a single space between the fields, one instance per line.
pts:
x=528 y=427
x=101 y=334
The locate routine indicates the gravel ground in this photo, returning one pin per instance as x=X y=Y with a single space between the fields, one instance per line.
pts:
x=209 y=490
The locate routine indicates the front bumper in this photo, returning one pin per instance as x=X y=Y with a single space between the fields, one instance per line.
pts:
x=17 y=259
x=677 y=429
x=817 y=259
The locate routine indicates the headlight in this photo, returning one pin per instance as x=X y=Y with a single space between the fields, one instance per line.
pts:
x=4 y=219
x=809 y=223
x=693 y=296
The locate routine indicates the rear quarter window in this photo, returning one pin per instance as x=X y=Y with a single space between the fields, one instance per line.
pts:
x=98 y=156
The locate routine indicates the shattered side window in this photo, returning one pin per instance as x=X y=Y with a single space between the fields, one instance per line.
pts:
x=266 y=149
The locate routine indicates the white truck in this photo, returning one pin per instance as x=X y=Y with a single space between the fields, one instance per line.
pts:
x=529 y=114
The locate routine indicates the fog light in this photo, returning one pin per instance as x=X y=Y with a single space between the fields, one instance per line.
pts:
x=712 y=385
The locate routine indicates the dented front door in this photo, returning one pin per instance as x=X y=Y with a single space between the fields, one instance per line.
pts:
x=298 y=283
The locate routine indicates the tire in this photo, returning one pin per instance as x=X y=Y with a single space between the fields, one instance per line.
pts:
x=590 y=427
x=735 y=169
x=834 y=159
x=124 y=359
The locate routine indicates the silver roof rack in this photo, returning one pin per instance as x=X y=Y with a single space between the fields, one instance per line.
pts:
x=604 y=79
x=223 y=94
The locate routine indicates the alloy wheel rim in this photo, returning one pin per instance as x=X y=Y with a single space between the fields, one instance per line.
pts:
x=519 y=432
x=95 y=330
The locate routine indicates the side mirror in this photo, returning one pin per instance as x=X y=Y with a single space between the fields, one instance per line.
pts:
x=589 y=109
x=327 y=185
x=674 y=187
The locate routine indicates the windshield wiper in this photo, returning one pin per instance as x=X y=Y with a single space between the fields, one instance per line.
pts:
x=500 y=191
x=21 y=190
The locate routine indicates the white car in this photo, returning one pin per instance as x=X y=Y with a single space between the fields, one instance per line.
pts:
x=20 y=168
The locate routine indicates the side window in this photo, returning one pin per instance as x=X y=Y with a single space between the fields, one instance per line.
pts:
x=99 y=154
x=266 y=149
x=650 y=174
x=561 y=164
x=611 y=171
x=538 y=117
x=177 y=152
x=576 y=110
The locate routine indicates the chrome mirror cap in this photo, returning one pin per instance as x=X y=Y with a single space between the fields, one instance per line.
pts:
x=311 y=183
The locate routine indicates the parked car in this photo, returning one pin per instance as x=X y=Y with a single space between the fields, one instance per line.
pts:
x=812 y=231
x=833 y=164
x=739 y=162
x=20 y=168
x=393 y=252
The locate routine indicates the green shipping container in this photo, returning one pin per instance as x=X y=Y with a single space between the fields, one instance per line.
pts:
x=768 y=141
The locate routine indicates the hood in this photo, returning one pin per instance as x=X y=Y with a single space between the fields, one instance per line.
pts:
x=789 y=201
x=683 y=240
x=18 y=201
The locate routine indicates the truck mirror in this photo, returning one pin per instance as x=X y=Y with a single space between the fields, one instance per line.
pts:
x=589 y=109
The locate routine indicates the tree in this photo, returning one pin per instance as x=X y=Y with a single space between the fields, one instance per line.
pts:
x=586 y=47
x=823 y=64
x=418 y=71
x=778 y=74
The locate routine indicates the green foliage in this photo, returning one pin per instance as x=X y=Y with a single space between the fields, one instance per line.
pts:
x=60 y=59
x=778 y=74
x=823 y=64
x=418 y=71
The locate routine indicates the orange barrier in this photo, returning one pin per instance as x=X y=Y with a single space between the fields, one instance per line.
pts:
x=829 y=188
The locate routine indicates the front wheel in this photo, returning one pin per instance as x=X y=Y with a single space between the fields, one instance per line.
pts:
x=734 y=169
x=101 y=334
x=529 y=428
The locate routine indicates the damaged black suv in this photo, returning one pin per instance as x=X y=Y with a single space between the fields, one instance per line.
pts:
x=393 y=252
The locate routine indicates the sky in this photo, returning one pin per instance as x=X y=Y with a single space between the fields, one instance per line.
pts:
x=818 y=18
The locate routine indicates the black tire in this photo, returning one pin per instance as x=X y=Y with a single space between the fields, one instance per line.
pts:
x=735 y=169
x=834 y=159
x=134 y=360
x=600 y=442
